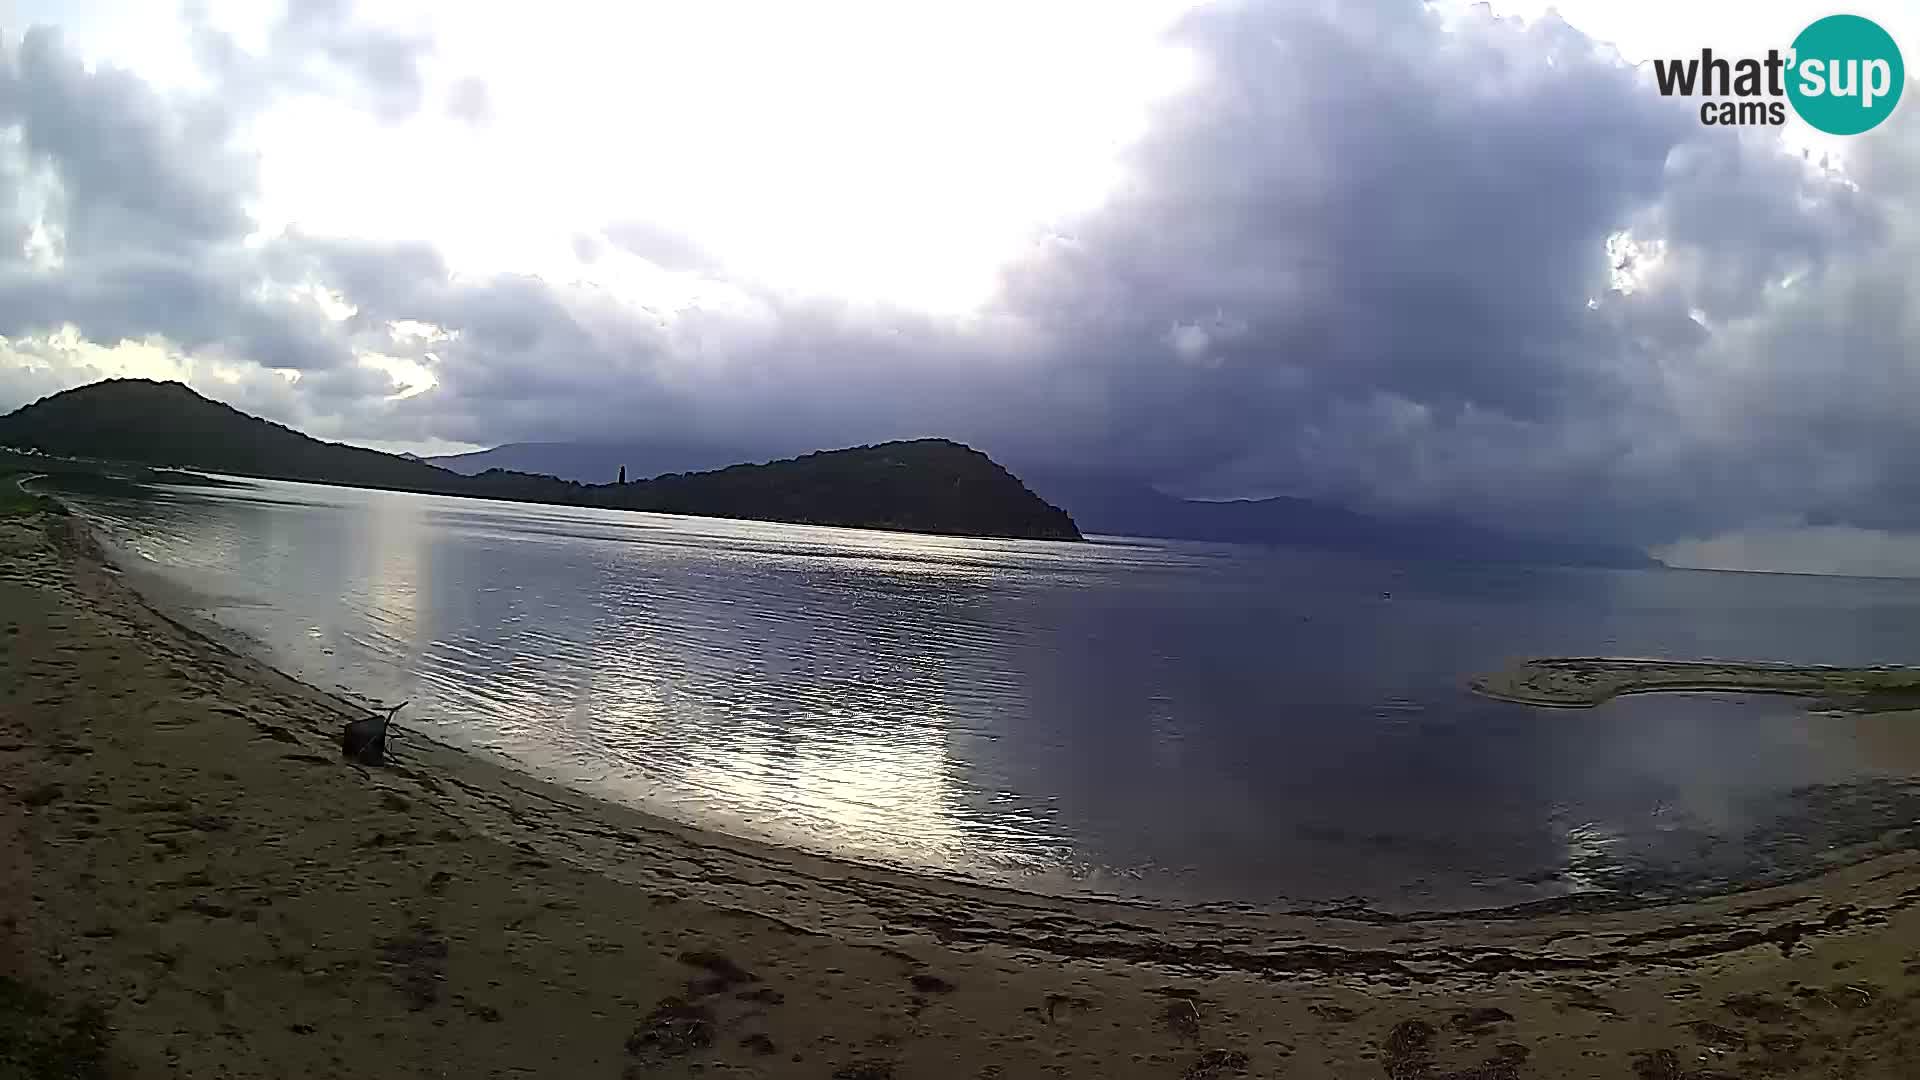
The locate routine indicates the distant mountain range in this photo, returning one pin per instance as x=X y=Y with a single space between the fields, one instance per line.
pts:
x=925 y=485
x=600 y=463
x=1118 y=505
x=1125 y=507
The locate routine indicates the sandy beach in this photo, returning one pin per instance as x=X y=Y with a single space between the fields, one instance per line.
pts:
x=185 y=851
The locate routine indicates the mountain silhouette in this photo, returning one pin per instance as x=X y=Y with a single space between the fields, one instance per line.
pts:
x=924 y=485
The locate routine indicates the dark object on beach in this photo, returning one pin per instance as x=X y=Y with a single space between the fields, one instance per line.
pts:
x=365 y=740
x=1182 y=1017
x=673 y=1028
x=1657 y=1065
x=1408 y=1050
x=43 y=1036
x=41 y=796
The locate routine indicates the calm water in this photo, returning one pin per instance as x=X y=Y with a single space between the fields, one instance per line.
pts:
x=1207 y=722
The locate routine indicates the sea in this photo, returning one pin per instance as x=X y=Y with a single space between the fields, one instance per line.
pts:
x=1187 y=723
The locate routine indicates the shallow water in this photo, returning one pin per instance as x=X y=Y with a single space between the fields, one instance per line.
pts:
x=1202 y=722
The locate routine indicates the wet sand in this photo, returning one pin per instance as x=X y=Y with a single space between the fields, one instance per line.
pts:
x=183 y=846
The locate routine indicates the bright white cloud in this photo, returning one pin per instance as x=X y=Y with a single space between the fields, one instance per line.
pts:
x=869 y=150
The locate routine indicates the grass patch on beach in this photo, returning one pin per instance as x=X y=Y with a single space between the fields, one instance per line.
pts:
x=14 y=500
x=43 y=1039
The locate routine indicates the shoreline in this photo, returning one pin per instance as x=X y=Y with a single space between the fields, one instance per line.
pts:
x=204 y=866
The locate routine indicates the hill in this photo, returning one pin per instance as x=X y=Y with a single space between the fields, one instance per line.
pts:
x=1119 y=505
x=927 y=485
x=167 y=424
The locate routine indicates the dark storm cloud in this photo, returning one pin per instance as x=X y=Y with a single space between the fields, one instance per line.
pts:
x=1364 y=221
x=1365 y=257
x=1789 y=405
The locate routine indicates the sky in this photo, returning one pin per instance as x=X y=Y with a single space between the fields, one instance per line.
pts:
x=1403 y=256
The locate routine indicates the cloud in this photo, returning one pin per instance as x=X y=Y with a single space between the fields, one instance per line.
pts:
x=660 y=246
x=202 y=307
x=125 y=169
x=128 y=218
x=1795 y=547
x=587 y=247
x=1372 y=254
x=1404 y=222
x=321 y=47
x=470 y=101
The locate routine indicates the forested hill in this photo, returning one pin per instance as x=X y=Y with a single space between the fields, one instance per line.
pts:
x=165 y=423
x=927 y=485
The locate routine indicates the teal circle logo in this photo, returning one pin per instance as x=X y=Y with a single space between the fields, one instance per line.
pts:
x=1847 y=75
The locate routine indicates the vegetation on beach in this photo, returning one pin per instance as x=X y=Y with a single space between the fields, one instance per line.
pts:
x=44 y=1039
x=1582 y=682
x=15 y=499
